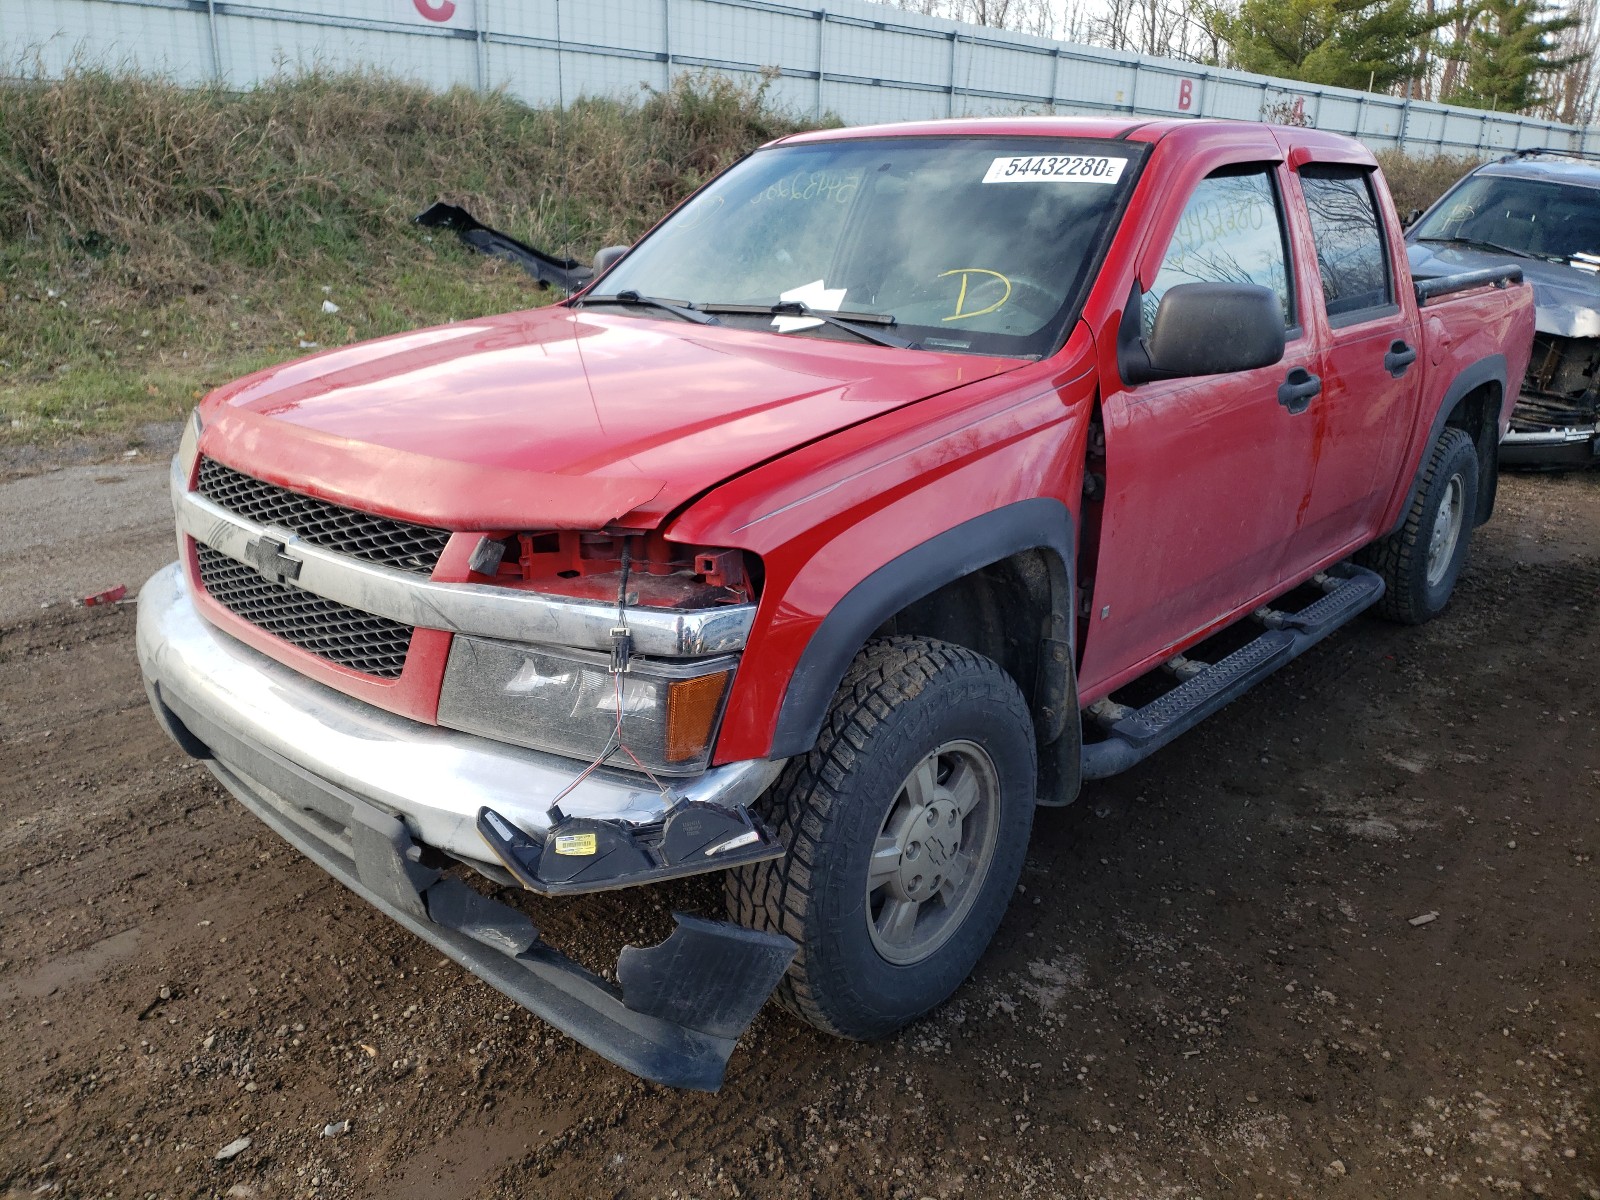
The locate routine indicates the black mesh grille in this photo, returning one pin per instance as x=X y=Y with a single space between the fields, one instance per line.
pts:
x=381 y=540
x=355 y=639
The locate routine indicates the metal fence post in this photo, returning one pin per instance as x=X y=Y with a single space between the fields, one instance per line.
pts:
x=561 y=88
x=822 y=30
x=480 y=13
x=950 y=93
x=1055 y=79
x=666 y=37
x=216 y=52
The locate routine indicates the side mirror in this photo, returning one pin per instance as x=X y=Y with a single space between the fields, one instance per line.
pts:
x=1412 y=218
x=1212 y=329
x=604 y=259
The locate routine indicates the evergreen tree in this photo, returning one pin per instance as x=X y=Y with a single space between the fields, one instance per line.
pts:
x=1509 y=44
x=1342 y=43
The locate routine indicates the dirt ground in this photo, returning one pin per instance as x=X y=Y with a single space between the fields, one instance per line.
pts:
x=1212 y=984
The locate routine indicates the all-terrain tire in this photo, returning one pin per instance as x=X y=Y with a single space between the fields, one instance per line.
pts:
x=904 y=702
x=1419 y=573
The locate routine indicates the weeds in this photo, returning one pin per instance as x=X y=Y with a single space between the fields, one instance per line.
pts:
x=156 y=240
x=1418 y=182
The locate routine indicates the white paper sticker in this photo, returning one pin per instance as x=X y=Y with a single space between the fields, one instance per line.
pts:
x=1056 y=168
x=816 y=294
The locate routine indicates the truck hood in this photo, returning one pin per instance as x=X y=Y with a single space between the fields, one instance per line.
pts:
x=556 y=418
x=1566 y=299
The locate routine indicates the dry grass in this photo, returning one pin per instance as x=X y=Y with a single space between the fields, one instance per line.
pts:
x=1418 y=182
x=155 y=241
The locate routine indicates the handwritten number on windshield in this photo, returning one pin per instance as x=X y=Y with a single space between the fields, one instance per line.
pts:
x=837 y=186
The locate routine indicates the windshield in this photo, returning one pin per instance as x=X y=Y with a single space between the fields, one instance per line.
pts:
x=977 y=245
x=1551 y=220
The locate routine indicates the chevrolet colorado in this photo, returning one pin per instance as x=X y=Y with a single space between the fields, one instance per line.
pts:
x=901 y=480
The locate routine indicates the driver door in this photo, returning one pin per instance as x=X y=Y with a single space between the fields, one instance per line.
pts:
x=1205 y=477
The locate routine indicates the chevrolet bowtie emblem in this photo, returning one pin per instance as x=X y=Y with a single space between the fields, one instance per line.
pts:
x=267 y=555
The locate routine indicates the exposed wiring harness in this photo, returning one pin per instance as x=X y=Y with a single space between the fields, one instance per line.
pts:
x=621 y=661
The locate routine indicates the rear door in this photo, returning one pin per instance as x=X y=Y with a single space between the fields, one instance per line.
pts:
x=1205 y=477
x=1362 y=418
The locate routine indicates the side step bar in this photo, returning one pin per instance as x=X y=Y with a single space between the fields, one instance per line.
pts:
x=1133 y=734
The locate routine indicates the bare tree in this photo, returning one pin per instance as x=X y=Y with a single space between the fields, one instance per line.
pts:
x=1573 y=92
x=1062 y=20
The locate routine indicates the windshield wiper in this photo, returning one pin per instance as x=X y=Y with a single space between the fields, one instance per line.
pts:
x=849 y=322
x=632 y=299
x=1481 y=245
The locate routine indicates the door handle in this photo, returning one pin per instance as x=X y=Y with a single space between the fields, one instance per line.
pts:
x=1297 y=389
x=1400 y=357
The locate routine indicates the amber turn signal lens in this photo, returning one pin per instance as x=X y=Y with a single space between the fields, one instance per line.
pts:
x=693 y=706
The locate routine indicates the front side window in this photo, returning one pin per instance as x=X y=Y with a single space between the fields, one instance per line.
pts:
x=980 y=245
x=1349 y=239
x=1231 y=231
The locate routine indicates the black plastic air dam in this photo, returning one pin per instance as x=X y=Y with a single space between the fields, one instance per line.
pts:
x=680 y=1007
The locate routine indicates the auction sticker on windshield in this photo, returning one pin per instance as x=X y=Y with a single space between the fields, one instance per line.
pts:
x=1056 y=168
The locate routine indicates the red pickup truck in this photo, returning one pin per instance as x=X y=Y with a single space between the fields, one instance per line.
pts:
x=901 y=480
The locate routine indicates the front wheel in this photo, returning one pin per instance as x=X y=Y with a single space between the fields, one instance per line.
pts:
x=906 y=828
x=1421 y=560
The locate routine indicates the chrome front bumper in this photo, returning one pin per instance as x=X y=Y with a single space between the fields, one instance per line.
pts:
x=365 y=794
x=433 y=780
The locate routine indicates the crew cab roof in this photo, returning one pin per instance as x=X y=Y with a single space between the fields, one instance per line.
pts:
x=1312 y=143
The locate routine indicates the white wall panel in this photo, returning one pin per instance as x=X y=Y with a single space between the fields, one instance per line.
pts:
x=875 y=63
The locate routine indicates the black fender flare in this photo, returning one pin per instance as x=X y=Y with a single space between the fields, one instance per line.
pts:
x=1490 y=369
x=1035 y=524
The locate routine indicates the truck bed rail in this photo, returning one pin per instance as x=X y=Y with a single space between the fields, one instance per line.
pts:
x=1445 y=285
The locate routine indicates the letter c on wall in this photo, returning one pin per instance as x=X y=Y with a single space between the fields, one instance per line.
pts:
x=442 y=11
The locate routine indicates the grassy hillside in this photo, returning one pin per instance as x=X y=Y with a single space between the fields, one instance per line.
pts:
x=156 y=241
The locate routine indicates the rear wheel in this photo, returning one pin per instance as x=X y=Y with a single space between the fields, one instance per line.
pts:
x=906 y=828
x=1421 y=560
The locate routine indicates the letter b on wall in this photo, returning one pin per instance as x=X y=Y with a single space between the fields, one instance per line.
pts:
x=1185 y=94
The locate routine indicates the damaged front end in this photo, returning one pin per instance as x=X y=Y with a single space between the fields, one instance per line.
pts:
x=400 y=812
x=677 y=1009
x=1556 y=421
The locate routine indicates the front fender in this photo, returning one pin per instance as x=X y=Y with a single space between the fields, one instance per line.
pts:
x=1039 y=523
x=853 y=528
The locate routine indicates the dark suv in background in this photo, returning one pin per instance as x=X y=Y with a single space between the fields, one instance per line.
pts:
x=1540 y=209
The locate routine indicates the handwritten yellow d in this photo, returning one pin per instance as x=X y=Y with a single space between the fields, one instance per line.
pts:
x=961 y=300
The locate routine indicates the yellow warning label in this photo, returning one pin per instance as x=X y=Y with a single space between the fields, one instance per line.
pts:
x=575 y=843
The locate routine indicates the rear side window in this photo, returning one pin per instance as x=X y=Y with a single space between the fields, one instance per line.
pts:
x=1349 y=239
x=1231 y=231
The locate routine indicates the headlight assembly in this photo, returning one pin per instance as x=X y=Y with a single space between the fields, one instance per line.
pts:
x=566 y=702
